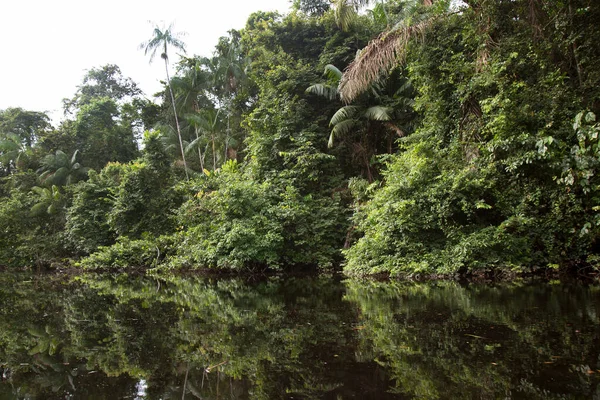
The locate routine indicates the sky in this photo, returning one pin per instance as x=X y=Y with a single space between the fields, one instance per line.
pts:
x=48 y=45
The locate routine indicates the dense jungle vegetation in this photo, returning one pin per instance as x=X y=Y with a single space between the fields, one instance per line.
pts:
x=402 y=137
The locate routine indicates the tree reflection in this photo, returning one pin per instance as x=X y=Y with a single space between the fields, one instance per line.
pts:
x=517 y=340
x=294 y=338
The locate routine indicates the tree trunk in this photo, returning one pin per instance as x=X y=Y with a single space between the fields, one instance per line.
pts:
x=574 y=48
x=227 y=134
x=214 y=153
x=176 y=119
x=199 y=151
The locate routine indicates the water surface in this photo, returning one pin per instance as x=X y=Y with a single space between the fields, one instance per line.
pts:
x=296 y=338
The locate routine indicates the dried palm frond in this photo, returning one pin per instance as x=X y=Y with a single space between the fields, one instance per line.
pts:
x=380 y=56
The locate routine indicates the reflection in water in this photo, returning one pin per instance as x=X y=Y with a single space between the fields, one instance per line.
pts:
x=295 y=338
x=509 y=341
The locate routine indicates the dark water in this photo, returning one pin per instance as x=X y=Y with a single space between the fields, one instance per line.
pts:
x=296 y=338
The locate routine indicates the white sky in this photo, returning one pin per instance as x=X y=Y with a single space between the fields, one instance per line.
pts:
x=48 y=45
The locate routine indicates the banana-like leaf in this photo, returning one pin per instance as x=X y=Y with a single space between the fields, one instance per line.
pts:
x=193 y=145
x=39 y=209
x=61 y=158
x=41 y=191
x=61 y=175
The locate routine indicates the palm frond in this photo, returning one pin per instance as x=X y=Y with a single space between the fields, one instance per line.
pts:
x=341 y=128
x=380 y=56
x=344 y=113
x=378 y=113
x=333 y=73
x=398 y=130
x=345 y=14
x=194 y=144
x=327 y=91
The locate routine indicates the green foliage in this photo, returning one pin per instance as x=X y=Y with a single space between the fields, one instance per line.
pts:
x=104 y=82
x=235 y=223
x=464 y=158
x=31 y=227
x=495 y=177
x=130 y=254
x=144 y=201
x=100 y=136
x=580 y=168
x=87 y=218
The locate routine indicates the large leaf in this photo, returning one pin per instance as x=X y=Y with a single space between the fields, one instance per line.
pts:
x=344 y=113
x=327 y=91
x=341 y=128
x=333 y=73
x=378 y=113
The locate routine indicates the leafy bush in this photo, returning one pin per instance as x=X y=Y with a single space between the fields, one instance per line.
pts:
x=235 y=223
x=144 y=201
x=87 y=225
x=127 y=254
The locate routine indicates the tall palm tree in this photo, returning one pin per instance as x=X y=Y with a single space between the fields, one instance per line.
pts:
x=228 y=68
x=161 y=40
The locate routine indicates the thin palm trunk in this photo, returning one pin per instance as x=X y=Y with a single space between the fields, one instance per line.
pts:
x=214 y=153
x=176 y=119
x=227 y=135
x=199 y=151
x=205 y=153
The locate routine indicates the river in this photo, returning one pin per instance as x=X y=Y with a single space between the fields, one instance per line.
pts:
x=120 y=337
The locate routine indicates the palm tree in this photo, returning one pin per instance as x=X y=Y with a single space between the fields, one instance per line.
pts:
x=50 y=200
x=387 y=109
x=346 y=12
x=60 y=169
x=208 y=123
x=228 y=68
x=349 y=117
x=13 y=152
x=189 y=88
x=162 y=39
